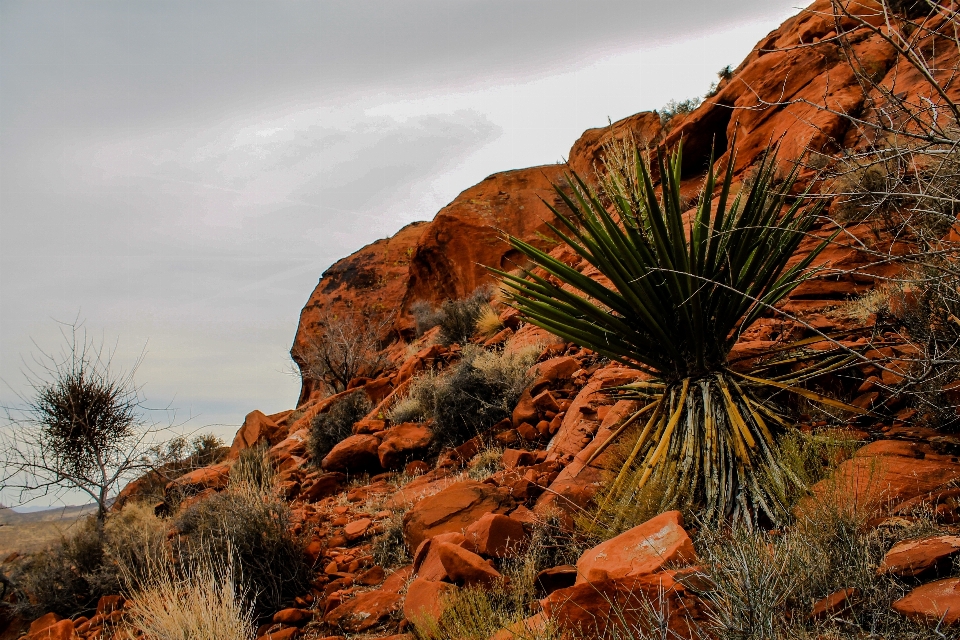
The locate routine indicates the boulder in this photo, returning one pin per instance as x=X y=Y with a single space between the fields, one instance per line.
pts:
x=402 y=443
x=912 y=558
x=62 y=630
x=354 y=454
x=597 y=609
x=495 y=536
x=293 y=617
x=835 y=603
x=365 y=611
x=424 y=600
x=357 y=529
x=549 y=580
x=645 y=549
x=932 y=602
x=257 y=428
x=453 y=509
x=213 y=477
x=885 y=474
x=426 y=561
x=465 y=567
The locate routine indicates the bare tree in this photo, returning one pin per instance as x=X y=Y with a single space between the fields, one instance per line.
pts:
x=341 y=349
x=82 y=426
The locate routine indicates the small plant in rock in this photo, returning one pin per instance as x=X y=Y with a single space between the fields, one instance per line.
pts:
x=389 y=548
x=459 y=317
x=332 y=426
x=681 y=292
x=425 y=316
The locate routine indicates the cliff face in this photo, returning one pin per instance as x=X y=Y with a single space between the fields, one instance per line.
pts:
x=776 y=94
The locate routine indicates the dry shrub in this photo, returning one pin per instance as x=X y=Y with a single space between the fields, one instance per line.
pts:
x=486 y=463
x=250 y=528
x=95 y=561
x=488 y=322
x=389 y=548
x=329 y=428
x=469 y=398
x=202 y=606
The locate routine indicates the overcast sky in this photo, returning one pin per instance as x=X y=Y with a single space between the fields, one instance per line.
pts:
x=179 y=174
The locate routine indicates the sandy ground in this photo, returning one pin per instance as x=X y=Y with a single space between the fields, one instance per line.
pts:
x=29 y=532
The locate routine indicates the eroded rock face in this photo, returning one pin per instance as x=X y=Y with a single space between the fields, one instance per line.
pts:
x=645 y=549
x=257 y=428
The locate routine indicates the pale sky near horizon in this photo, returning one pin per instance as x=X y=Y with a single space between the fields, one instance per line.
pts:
x=179 y=174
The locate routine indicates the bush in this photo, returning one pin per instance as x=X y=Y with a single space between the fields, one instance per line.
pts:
x=250 y=529
x=459 y=317
x=95 y=561
x=425 y=317
x=203 y=606
x=390 y=547
x=472 y=396
x=673 y=109
x=327 y=429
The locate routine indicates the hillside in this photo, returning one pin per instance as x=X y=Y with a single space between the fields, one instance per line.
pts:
x=450 y=486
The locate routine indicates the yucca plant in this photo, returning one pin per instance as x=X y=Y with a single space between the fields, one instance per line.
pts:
x=675 y=296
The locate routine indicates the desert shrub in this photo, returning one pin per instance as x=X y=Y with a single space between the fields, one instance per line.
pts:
x=389 y=548
x=472 y=396
x=203 y=605
x=249 y=528
x=69 y=578
x=488 y=321
x=459 y=317
x=486 y=463
x=425 y=316
x=340 y=349
x=674 y=108
x=94 y=561
x=329 y=428
x=765 y=584
x=254 y=470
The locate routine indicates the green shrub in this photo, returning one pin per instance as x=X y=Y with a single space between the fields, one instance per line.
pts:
x=459 y=317
x=250 y=529
x=390 y=547
x=329 y=428
x=425 y=316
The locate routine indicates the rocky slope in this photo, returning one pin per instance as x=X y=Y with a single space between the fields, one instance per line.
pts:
x=457 y=524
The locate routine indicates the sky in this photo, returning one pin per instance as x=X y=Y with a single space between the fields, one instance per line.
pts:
x=177 y=175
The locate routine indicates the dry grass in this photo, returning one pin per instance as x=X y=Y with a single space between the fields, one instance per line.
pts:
x=203 y=606
x=488 y=322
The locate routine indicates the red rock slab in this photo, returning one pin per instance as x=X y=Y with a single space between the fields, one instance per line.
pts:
x=645 y=549
x=913 y=557
x=357 y=529
x=885 y=474
x=354 y=454
x=594 y=609
x=465 y=567
x=401 y=443
x=834 y=603
x=283 y=634
x=213 y=477
x=453 y=509
x=532 y=627
x=578 y=428
x=932 y=602
x=63 y=630
x=495 y=536
x=257 y=428
x=293 y=617
x=425 y=599
x=365 y=611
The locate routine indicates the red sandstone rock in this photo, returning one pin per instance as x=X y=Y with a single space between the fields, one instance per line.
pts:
x=532 y=627
x=495 y=536
x=426 y=561
x=549 y=580
x=453 y=509
x=834 y=603
x=357 y=529
x=424 y=600
x=401 y=443
x=62 y=630
x=465 y=567
x=354 y=454
x=642 y=550
x=886 y=473
x=257 y=428
x=293 y=617
x=913 y=557
x=517 y=458
x=365 y=611
x=597 y=608
x=214 y=477
x=932 y=602
x=283 y=634
x=108 y=604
